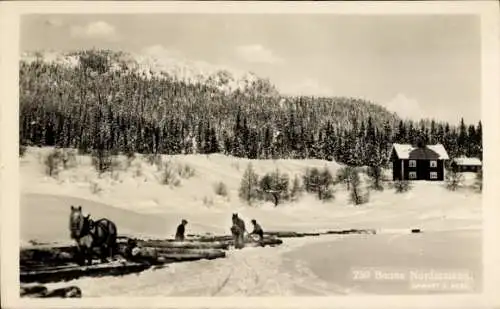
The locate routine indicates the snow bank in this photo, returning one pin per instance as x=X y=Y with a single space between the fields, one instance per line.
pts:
x=134 y=190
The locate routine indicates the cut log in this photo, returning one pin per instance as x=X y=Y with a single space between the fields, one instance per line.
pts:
x=164 y=255
x=201 y=245
x=181 y=257
x=290 y=234
x=33 y=290
x=158 y=243
x=66 y=292
x=42 y=266
x=353 y=231
x=186 y=251
x=210 y=238
x=46 y=254
x=267 y=241
x=287 y=234
x=50 y=256
x=69 y=272
x=40 y=291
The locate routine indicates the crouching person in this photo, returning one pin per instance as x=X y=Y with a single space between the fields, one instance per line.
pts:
x=181 y=229
x=257 y=231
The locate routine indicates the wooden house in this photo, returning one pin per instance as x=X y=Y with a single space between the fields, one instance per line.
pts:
x=465 y=164
x=422 y=162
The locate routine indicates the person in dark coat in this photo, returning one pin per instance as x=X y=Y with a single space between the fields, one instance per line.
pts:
x=257 y=230
x=181 y=229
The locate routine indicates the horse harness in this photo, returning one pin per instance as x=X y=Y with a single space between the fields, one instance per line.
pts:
x=92 y=228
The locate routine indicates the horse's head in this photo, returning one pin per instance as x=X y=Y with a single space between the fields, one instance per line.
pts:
x=78 y=223
x=235 y=217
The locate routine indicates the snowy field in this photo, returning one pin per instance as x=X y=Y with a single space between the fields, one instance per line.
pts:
x=133 y=197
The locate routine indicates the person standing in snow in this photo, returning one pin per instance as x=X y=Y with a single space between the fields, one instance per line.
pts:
x=179 y=235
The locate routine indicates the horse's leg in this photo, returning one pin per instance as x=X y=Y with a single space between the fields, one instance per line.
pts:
x=235 y=240
x=85 y=257
x=111 y=249
x=242 y=240
x=238 y=242
x=89 y=256
x=104 y=253
x=111 y=245
x=82 y=256
x=79 y=255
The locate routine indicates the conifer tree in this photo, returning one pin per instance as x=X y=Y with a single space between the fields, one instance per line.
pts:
x=479 y=140
x=401 y=136
x=462 y=139
x=249 y=186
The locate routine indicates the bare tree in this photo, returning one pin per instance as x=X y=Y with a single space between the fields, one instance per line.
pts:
x=357 y=196
x=402 y=186
x=319 y=182
x=376 y=175
x=274 y=185
x=345 y=175
x=454 y=180
x=296 y=189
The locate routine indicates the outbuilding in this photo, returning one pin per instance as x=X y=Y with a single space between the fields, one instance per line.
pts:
x=466 y=164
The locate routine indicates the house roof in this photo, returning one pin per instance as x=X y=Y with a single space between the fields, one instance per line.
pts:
x=430 y=152
x=468 y=161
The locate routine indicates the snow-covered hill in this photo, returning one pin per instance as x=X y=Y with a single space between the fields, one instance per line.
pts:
x=163 y=65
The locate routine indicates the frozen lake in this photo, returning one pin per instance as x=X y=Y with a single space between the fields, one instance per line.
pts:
x=385 y=264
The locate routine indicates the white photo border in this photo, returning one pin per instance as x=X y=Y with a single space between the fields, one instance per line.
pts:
x=9 y=168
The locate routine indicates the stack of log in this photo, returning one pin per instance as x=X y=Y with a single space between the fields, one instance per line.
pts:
x=51 y=263
x=160 y=251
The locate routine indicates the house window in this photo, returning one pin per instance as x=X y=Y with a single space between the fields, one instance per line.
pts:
x=413 y=175
x=413 y=163
x=434 y=175
x=434 y=163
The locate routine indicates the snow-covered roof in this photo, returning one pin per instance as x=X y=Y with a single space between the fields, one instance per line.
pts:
x=403 y=150
x=440 y=150
x=468 y=161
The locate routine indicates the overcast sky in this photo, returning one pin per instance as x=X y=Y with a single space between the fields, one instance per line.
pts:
x=417 y=66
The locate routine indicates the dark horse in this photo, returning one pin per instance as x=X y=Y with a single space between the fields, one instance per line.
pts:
x=238 y=230
x=90 y=234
